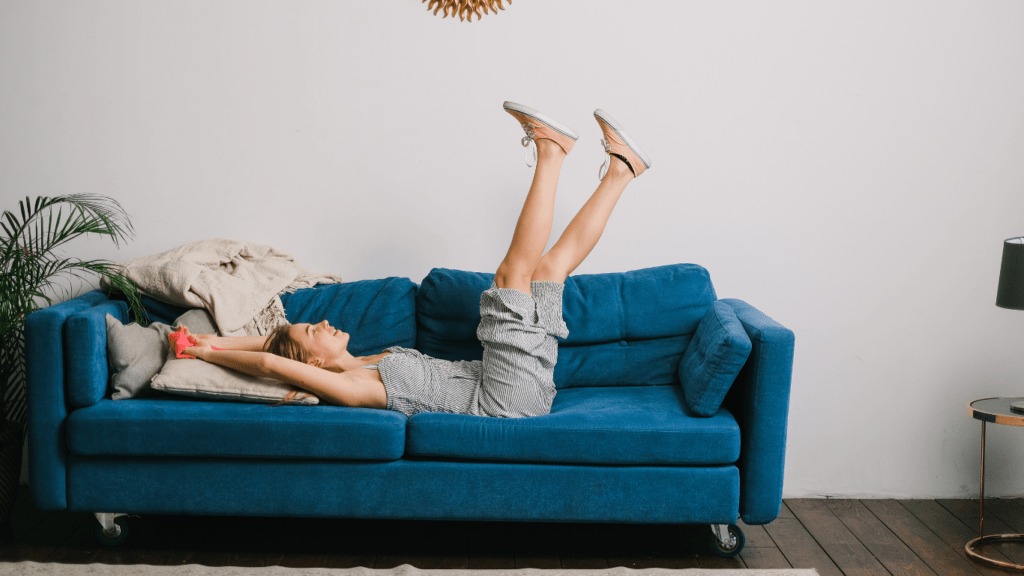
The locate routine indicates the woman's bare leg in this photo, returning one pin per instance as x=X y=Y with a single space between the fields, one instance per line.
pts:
x=534 y=226
x=582 y=234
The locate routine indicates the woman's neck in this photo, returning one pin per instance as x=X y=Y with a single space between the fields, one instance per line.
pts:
x=343 y=363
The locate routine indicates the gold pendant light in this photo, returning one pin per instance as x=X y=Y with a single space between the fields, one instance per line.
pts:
x=466 y=8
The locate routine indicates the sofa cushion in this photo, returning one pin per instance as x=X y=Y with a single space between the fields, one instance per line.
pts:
x=630 y=425
x=137 y=353
x=714 y=359
x=627 y=328
x=377 y=314
x=172 y=427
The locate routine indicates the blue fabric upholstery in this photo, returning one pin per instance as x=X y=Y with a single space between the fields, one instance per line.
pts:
x=86 y=354
x=622 y=425
x=45 y=398
x=173 y=427
x=713 y=359
x=628 y=328
x=376 y=313
x=610 y=451
x=404 y=489
x=760 y=400
x=161 y=311
x=448 y=312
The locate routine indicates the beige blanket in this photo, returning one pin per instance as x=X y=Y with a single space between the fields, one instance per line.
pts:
x=238 y=282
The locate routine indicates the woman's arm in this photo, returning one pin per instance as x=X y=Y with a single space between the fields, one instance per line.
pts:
x=250 y=343
x=332 y=387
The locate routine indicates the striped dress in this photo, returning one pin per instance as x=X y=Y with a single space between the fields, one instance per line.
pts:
x=515 y=378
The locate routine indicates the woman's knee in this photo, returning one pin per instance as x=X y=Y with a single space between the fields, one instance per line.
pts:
x=549 y=270
x=505 y=277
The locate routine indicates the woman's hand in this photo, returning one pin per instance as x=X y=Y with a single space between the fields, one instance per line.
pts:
x=201 y=347
x=207 y=339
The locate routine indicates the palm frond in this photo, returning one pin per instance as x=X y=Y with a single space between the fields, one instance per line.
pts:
x=30 y=268
x=88 y=214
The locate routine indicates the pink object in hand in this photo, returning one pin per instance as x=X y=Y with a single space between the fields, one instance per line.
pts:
x=182 y=340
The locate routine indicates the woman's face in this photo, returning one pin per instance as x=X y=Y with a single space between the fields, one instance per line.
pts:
x=321 y=340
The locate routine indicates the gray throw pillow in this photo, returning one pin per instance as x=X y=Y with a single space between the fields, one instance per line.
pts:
x=137 y=353
x=198 y=321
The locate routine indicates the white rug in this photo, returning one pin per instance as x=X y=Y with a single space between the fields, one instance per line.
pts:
x=53 y=569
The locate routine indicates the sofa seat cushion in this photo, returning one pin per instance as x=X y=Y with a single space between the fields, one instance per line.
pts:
x=630 y=425
x=173 y=427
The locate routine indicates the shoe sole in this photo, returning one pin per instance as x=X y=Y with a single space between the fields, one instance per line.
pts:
x=625 y=137
x=527 y=111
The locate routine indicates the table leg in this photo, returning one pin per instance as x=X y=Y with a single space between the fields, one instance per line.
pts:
x=981 y=491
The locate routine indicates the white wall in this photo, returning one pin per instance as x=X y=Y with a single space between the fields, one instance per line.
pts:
x=851 y=168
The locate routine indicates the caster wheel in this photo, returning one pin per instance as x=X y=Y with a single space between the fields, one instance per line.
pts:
x=732 y=545
x=120 y=535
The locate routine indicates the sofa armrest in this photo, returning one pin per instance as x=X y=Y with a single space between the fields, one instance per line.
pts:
x=85 y=354
x=46 y=402
x=759 y=399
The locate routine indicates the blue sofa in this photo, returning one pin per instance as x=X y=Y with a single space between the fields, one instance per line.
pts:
x=620 y=444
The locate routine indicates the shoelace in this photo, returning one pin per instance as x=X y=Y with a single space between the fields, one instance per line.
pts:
x=607 y=161
x=529 y=144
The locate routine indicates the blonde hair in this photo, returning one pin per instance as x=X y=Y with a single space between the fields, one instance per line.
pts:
x=281 y=343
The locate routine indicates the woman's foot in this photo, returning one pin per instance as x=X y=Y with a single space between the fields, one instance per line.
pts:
x=618 y=144
x=537 y=127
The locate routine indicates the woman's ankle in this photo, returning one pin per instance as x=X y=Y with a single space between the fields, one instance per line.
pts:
x=549 y=148
x=619 y=168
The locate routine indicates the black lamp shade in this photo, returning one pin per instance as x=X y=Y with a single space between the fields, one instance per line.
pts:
x=1011 y=275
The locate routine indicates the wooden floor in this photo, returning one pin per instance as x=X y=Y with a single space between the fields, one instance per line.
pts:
x=837 y=537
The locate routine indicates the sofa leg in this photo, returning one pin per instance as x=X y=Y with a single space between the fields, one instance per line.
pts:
x=112 y=529
x=727 y=539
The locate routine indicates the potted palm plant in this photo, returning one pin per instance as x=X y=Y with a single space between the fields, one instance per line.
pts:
x=32 y=271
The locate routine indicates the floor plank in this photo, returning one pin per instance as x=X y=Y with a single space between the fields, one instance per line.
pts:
x=914 y=534
x=536 y=546
x=848 y=553
x=835 y=537
x=799 y=548
x=756 y=536
x=488 y=545
x=951 y=530
x=672 y=546
x=44 y=537
x=355 y=542
x=878 y=539
x=764 y=557
x=967 y=512
x=24 y=518
x=1006 y=510
x=425 y=544
x=628 y=547
x=141 y=547
x=306 y=541
x=582 y=545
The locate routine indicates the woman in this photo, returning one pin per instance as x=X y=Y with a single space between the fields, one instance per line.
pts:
x=521 y=313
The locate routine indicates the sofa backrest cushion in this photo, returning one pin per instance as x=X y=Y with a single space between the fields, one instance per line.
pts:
x=376 y=313
x=713 y=359
x=625 y=328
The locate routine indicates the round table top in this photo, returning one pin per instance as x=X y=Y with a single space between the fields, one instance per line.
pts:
x=996 y=410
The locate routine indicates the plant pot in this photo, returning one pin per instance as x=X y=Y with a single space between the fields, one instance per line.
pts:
x=11 y=443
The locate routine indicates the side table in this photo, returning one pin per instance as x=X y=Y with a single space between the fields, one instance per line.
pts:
x=995 y=410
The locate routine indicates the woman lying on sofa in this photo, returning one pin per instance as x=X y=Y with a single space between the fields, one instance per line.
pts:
x=521 y=313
